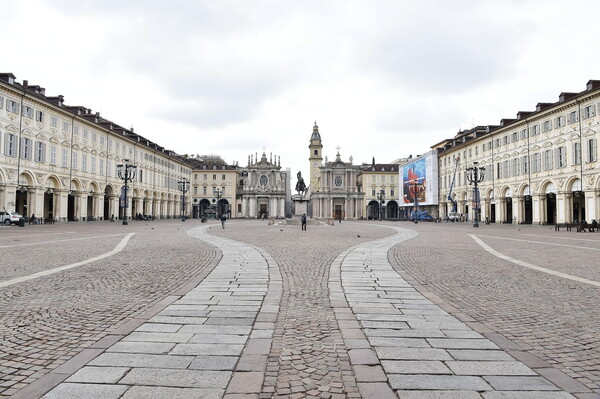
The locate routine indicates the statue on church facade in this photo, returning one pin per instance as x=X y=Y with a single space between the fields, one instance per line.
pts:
x=300 y=185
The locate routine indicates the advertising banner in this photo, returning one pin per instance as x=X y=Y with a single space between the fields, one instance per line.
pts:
x=419 y=180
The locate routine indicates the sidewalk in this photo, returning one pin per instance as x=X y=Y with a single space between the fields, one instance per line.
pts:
x=217 y=340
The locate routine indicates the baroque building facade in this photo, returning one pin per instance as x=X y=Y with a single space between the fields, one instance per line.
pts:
x=60 y=162
x=334 y=191
x=540 y=167
x=264 y=189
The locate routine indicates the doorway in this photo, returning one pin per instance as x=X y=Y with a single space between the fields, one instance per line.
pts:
x=528 y=210
x=550 y=208
x=263 y=212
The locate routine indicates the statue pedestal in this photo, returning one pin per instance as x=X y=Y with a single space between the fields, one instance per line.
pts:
x=300 y=205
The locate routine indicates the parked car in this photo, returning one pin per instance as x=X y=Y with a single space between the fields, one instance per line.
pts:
x=421 y=216
x=9 y=218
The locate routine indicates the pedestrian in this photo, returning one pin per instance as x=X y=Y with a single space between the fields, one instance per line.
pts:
x=32 y=219
x=303 y=220
x=112 y=217
x=223 y=219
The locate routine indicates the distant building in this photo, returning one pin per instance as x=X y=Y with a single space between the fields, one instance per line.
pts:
x=264 y=189
x=213 y=187
x=60 y=162
x=334 y=191
x=540 y=167
x=373 y=179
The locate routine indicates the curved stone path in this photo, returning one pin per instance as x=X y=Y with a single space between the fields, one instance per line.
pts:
x=326 y=321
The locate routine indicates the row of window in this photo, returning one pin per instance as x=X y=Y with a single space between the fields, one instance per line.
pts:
x=38 y=150
x=204 y=191
x=540 y=161
x=391 y=195
x=120 y=148
x=214 y=176
x=534 y=130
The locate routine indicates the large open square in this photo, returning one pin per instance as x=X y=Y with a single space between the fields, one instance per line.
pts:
x=355 y=309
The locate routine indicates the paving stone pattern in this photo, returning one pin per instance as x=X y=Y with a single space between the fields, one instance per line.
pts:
x=555 y=319
x=421 y=347
x=209 y=343
x=308 y=357
x=47 y=321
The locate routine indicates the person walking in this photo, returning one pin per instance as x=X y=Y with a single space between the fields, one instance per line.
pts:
x=223 y=219
x=303 y=221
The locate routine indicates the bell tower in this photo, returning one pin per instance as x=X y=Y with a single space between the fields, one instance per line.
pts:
x=315 y=158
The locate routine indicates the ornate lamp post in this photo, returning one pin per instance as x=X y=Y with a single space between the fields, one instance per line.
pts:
x=218 y=193
x=475 y=175
x=126 y=172
x=184 y=186
x=381 y=199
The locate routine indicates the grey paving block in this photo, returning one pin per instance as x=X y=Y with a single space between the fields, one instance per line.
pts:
x=87 y=391
x=452 y=343
x=142 y=360
x=439 y=395
x=389 y=353
x=503 y=383
x=406 y=333
x=414 y=367
x=468 y=354
x=157 y=337
x=489 y=368
x=213 y=363
x=218 y=339
x=99 y=375
x=399 y=342
x=437 y=382
x=207 y=349
x=142 y=347
x=216 y=329
x=172 y=393
x=158 y=327
x=178 y=378
x=526 y=395
x=178 y=320
x=230 y=321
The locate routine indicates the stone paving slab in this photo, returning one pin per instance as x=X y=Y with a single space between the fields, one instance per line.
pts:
x=424 y=351
x=191 y=347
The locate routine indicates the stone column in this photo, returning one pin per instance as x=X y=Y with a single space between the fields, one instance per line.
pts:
x=81 y=201
x=564 y=207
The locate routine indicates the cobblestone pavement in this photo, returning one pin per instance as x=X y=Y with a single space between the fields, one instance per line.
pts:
x=552 y=318
x=49 y=320
x=308 y=357
x=322 y=313
x=208 y=343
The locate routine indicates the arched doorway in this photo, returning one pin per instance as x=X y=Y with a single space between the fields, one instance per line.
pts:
x=578 y=204
x=373 y=210
x=107 y=194
x=204 y=207
x=508 y=194
x=223 y=208
x=392 y=210
x=527 y=206
x=550 y=211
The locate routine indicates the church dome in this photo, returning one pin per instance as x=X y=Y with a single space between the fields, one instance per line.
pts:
x=315 y=133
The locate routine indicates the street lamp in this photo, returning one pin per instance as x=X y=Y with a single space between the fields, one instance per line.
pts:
x=126 y=173
x=218 y=193
x=475 y=175
x=415 y=183
x=381 y=199
x=184 y=186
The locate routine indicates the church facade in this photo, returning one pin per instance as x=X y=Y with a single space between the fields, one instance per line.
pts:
x=264 y=189
x=334 y=190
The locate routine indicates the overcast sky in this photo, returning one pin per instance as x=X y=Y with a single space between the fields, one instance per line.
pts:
x=383 y=79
